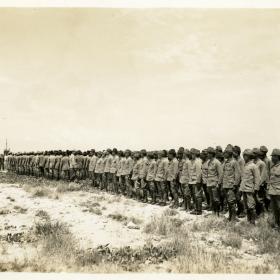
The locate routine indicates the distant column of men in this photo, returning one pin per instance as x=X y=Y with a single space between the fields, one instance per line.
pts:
x=212 y=179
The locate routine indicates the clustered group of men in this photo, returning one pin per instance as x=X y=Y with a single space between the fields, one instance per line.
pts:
x=223 y=180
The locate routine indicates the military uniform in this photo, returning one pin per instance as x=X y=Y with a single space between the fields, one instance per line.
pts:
x=195 y=177
x=184 y=181
x=250 y=181
x=172 y=173
x=151 y=175
x=160 y=180
x=214 y=177
x=230 y=180
x=274 y=188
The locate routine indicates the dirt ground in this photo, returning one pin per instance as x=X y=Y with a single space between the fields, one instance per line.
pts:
x=98 y=218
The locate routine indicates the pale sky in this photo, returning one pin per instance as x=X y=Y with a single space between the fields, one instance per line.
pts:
x=150 y=78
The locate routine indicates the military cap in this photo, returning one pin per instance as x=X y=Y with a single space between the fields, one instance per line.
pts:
x=210 y=150
x=276 y=152
x=229 y=149
x=172 y=152
x=237 y=149
x=194 y=151
x=256 y=151
x=219 y=148
x=115 y=150
x=187 y=151
x=263 y=149
x=248 y=152
x=181 y=150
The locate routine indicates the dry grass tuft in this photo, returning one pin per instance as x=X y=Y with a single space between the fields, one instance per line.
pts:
x=163 y=225
x=232 y=239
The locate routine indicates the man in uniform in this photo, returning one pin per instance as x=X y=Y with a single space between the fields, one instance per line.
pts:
x=52 y=158
x=65 y=166
x=151 y=175
x=264 y=158
x=135 y=188
x=195 y=176
x=250 y=181
x=172 y=173
x=160 y=178
x=274 y=187
x=56 y=169
x=113 y=170
x=261 y=194
x=73 y=166
x=214 y=177
x=91 y=167
x=120 y=179
x=184 y=181
x=238 y=196
x=204 y=169
x=127 y=170
x=143 y=174
x=230 y=180
x=108 y=163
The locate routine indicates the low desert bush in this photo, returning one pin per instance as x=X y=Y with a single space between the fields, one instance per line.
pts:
x=232 y=239
x=163 y=225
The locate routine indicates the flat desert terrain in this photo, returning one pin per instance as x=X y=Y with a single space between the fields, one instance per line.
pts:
x=51 y=226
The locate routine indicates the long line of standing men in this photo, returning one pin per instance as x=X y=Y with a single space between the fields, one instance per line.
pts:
x=212 y=179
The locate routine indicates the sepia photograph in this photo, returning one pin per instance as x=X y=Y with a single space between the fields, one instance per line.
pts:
x=139 y=140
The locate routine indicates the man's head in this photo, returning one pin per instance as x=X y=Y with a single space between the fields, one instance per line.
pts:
x=248 y=155
x=114 y=152
x=228 y=152
x=275 y=156
x=171 y=154
x=143 y=153
x=256 y=153
x=211 y=152
x=263 y=151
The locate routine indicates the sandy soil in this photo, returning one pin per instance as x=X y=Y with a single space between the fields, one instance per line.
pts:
x=18 y=210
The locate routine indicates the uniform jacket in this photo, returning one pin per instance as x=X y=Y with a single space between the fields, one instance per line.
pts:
x=92 y=163
x=185 y=176
x=127 y=166
x=65 y=164
x=162 y=169
x=231 y=173
x=195 y=172
x=51 y=161
x=136 y=170
x=214 y=176
x=274 y=180
x=172 y=170
x=114 y=165
x=250 y=179
x=143 y=167
x=108 y=163
x=152 y=170
x=57 y=162
x=262 y=169
x=204 y=169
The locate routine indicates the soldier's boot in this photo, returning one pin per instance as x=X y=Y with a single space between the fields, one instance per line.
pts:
x=234 y=216
x=218 y=208
x=184 y=203
x=230 y=213
x=253 y=217
x=188 y=206
x=194 y=212
x=146 y=196
x=199 y=206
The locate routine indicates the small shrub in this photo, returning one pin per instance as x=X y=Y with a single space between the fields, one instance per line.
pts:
x=43 y=214
x=163 y=225
x=95 y=211
x=19 y=209
x=233 y=240
x=118 y=217
x=41 y=192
